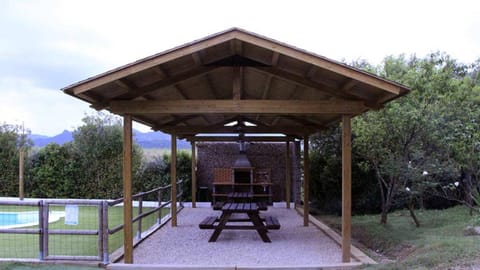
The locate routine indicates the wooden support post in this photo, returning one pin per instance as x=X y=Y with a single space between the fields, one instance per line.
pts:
x=194 y=177
x=306 y=182
x=346 y=187
x=173 y=175
x=288 y=174
x=21 y=160
x=127 y=190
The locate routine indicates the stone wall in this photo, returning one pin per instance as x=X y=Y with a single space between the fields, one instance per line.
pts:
x=261 y=156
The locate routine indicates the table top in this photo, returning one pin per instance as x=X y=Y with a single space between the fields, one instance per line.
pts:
x=240 y=207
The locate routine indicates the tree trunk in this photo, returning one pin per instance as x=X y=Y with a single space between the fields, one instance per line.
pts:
x=384 y=215
x=412 y=213
x=468 y=191
x=383 y=218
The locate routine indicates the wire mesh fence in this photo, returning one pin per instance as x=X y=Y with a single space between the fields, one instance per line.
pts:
x=23 y=244
x=78 y=229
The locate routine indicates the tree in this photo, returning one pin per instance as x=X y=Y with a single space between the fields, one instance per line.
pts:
x=98 y=149
x=460 y=123
x=403 y=140
x=12 y=138
x=54 y=173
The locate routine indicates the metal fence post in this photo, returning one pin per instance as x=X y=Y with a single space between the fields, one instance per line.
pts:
x=41 y=231
x=159 y=217
x=139 y=222
x=105 y=233
x=45 y=229
x=100 y=232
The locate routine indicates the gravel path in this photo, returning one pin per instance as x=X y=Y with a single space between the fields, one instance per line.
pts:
x=292 y=245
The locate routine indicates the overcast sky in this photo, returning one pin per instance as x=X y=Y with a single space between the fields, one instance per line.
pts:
x=47 y=45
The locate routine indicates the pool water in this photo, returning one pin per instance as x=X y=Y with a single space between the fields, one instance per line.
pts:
x=18 y=218
x=9 y=220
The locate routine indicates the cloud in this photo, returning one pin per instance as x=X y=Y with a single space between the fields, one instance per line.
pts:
x=42 y=110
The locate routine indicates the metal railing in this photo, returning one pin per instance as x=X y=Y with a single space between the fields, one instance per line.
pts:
x=98 y=227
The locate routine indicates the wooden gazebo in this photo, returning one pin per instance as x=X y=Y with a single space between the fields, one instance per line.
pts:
x=235 y=75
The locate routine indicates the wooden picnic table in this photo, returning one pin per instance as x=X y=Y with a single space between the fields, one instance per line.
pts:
x=251 y=210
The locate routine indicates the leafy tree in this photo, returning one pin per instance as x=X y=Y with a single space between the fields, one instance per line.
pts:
x=403 y=142
x=460 y=123
x=156 y=172
x=53 y=173
x=12 y=138
x=98 y=146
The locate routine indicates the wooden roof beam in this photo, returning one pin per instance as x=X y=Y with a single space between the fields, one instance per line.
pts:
x=236 y=47
x=236 y=106
x=236 y=138
x=148 y=62
x=323 y=63
x=266 y=90
x=288 y=130
x=293 y=78
x=197 y=59
x=176 y=120
x=237 y=83
x=170 y=81
x=275 y=58
x=302 y=121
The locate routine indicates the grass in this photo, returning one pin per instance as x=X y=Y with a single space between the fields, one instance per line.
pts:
x=27 y=246
x=24 y=266
x=438 y=243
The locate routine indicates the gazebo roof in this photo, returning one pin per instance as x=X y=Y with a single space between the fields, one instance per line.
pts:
x=240 y=76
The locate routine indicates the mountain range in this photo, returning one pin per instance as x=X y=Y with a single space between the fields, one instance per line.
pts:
x=144 y=139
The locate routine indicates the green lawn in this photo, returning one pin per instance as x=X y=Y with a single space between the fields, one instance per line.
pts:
x=26 y=246
x=438 y=243
x=22 y=266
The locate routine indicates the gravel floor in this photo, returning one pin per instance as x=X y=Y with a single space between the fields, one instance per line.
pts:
x=187 y=245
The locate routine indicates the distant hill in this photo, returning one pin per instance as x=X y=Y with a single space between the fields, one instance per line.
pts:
x=144 y=139
x=41 y=140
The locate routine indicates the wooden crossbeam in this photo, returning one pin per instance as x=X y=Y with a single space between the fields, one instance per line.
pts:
x=236 y=106
x=236 y=139
x=288 y=130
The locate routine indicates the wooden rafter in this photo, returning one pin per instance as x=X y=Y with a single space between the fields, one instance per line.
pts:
x=236 y=47
x=172 y=80
x=208 y=80
x=176 y=120
x=296 y=79
x=237 y=83
x=148 y=62
x=197 y=59
x=302 y=121
x=275 y=58
x=237 y=106
x=322 y=63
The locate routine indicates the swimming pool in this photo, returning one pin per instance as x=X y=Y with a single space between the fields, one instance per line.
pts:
x=10 y=220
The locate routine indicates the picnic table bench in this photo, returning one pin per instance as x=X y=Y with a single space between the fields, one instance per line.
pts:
x=260 y=224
